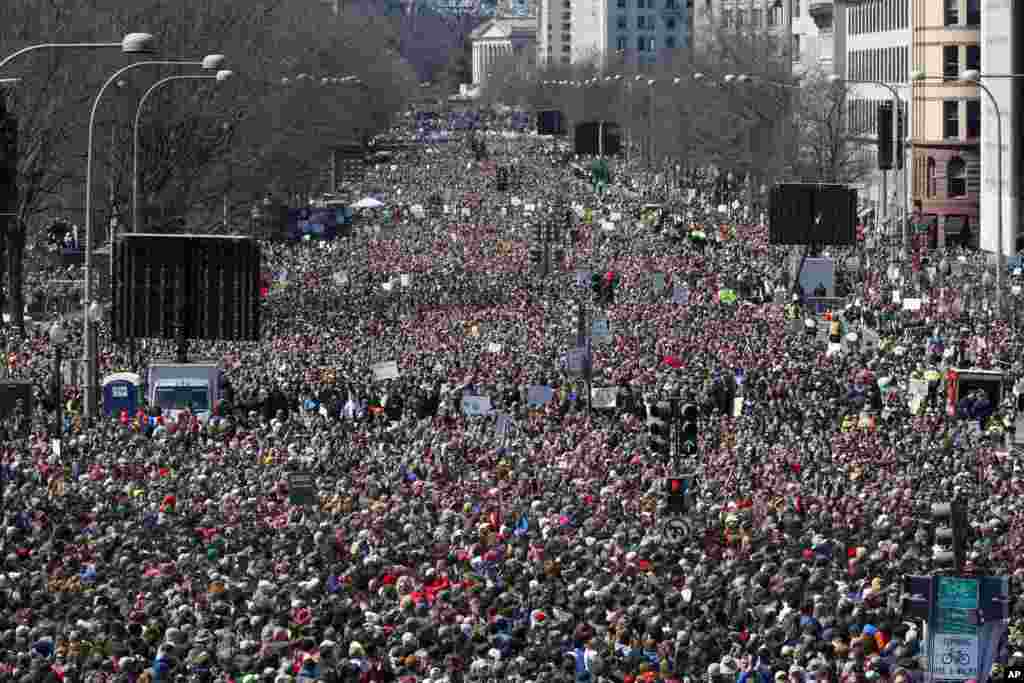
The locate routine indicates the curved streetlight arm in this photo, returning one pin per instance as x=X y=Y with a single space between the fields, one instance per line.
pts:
x=135 y=136
x=1000 y=250
x=51 y=46
x=89 y=343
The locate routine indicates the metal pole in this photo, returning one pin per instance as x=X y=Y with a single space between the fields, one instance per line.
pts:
x=135 y=140
x=600 y=139
x=58 y=426
x=89 y=345
x=1001 y=251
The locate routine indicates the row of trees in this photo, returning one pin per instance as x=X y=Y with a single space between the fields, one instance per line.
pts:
x=204 y=146
x=768 y=125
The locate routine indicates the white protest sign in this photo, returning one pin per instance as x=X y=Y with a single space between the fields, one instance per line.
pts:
x=341 y=278
x=385 y=370
x=529 y=208
x=608 y=226
x=465 y=211
x=616 y=216
x=911 y=304
x=406 y=279
x=516 y=201
x=603 y=397
x=494 y=347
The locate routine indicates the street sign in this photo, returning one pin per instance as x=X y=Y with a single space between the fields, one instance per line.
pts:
x=954 y=649
x=301 y=488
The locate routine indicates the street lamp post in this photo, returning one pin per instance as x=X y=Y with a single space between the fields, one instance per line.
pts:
x=974 y=76
x=132 y=43
x=58 y=335
x=897 y=106
x=210 y=63
x=219 y=77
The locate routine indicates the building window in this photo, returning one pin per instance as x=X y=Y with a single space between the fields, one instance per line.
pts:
x=973 y=60
x=621 y=23
x=726 y=18
x=929 y=189
x=773 y=16
x=973 y=119
x=755 y=18
x=950 y=62
x=670 y=42
x=567 y=48
x=620 y=44
x=641 y=21
x=566 y=37
x=567 y=27
x=641 y=44
x=956 y=178
x=974 y=12
x=795 y=8
x=671 y=5
x=670 y=24
x=567 y=5
x=796 y=48
x=951 y=119
x=740 y=18
x=622 y=4
x=566 y=59
x=952 y=12
x=641 y=4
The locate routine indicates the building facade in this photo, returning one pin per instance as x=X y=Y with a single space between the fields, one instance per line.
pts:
x=1002 y=53
x=947 y=121
x=874 y=37
x=504 y=43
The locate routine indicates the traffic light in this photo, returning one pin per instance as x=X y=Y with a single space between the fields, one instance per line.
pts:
x=885 y=136
x=949 y=520
x=677 y=489
x=689 y=433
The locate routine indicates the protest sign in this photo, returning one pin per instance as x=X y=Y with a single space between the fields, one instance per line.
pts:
x=385 y=370
x=539 y=394
x=603 y=397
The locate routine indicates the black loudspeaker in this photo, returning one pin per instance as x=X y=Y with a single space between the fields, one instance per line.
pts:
x=805 y=213
x=207 y=285
x=837 y=208
x=549 y=122
x=791 y=214
x=586 y=138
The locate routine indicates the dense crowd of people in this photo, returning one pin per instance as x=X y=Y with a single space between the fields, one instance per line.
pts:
x=523 y=537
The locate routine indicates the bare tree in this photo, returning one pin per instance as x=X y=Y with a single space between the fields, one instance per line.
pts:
x=828 y=148
x=193 y=135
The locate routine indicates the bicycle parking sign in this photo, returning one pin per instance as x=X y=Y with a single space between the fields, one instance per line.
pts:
x=954 y=649
x=954 y=657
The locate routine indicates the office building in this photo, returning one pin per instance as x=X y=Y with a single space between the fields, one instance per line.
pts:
x=1002 y=53
x=604 y=32
x=946 y=121
x=874 y=37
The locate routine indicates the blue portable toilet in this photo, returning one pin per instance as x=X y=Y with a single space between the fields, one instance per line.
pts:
x=121 y=391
